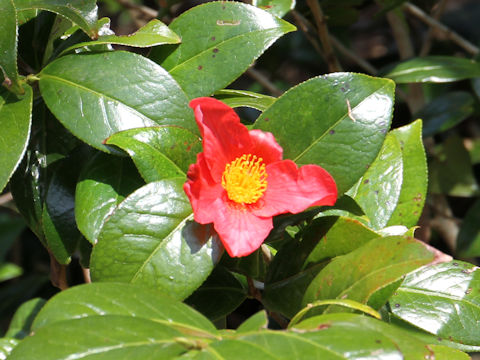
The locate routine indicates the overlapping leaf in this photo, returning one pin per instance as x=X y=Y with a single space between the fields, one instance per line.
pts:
x=342 y=123
x=151 y=239
x=86 y=94
x=15 y=122
x=212 y=35
x=237 y=98
x=443 y=299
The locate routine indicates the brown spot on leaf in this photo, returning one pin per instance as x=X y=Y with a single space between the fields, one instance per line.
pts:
x=200 y=67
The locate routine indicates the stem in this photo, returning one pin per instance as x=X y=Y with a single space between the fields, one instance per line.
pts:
x=323 y=34
x=438 y=26
x=437 y=13
x=58 y=273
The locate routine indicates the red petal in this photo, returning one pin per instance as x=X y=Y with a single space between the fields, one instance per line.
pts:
x=292 y=190
x=265 y=146
x=241 y=231
x=224 y=137
x=205 y=195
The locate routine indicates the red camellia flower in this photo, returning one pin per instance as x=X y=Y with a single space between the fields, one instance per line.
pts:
x=240 y=180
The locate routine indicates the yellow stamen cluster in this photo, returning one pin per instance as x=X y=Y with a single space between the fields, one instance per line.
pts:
x=245 y=179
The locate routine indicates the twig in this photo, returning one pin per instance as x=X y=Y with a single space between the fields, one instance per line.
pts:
x=262 y=80
x=365 y=65
x=147 y=12
x=279 y=319
x=86 y=275
x=324 y=36
x=438 y=26
x=437 y=13
x=58 y=273
x=306 y=27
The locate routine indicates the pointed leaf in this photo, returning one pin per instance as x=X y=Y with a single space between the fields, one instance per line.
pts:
x=9 y=271
x=105 y=299
x=237 y=98
x=359 y=274
x=15 y=122
x=212 y=35
x=443 y=299
x=256 y=322
x=434 y=69
x=151 y=34
x=21 y=323
x=276 y=7
x=414 y=175
x=81 y=12
x=151 y=239
x=159 y=152
x=86 y=94
x=341 y=118
x=8 y=44
x=103 y=184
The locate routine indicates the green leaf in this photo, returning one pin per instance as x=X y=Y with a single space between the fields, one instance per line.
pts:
x=104 y=182
x=15 y=122
x=238 y=98
x=434 y=69
x=6 y=346
x=357 y=275
x=344 y=142
x=468 y=239
x=256 y=322
x=443 y=299
x=131 y=338
x=81 y=12
x=9 y=271
x=8 y=44
x=447 y=353
x=446 y=111
x=106 y=299
x=276 y=7
x=151 y=34
x=414 y=175
x=26 y=15
x=361 y=337
x=21 y=323
x=212 y=35
x=451 y=170
x=10 y=229
x=219 y=295
x=159 y=152
x=151 y=239
x=86 y=94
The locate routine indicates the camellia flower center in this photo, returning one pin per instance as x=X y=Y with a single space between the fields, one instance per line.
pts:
x=245 y=179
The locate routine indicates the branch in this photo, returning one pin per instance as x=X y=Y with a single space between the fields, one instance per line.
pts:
x=332 y=61
x=438 y=26
x=437 y=13
x=365 y=65
x=263 y=80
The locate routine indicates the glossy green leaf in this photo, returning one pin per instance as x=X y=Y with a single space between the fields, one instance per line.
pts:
x=362 y=337
x=345 y=142
x=104 y=182
x=451 y=172
x=434 y=69
x=151 y=34
x=446 y=112
x=276 y=7
x=86 y=94
x=256 y=322
x=106 y=299
x=151 y=239
x=8 y=44
x=357 y=275
x=6 y=346
x=159 y=152
x=26 y=15
x=21 y=323
x=219 y=295
x=468 y=239
x=379 y=190
x=238 y=98
x=9 y=271
x=414 y=175
x=58 y=217
x=132 y=338
x=447 y=353
x=212 y=35
x=15 y=122
x=81 y=12
x=443 y=299
x=344 y=236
